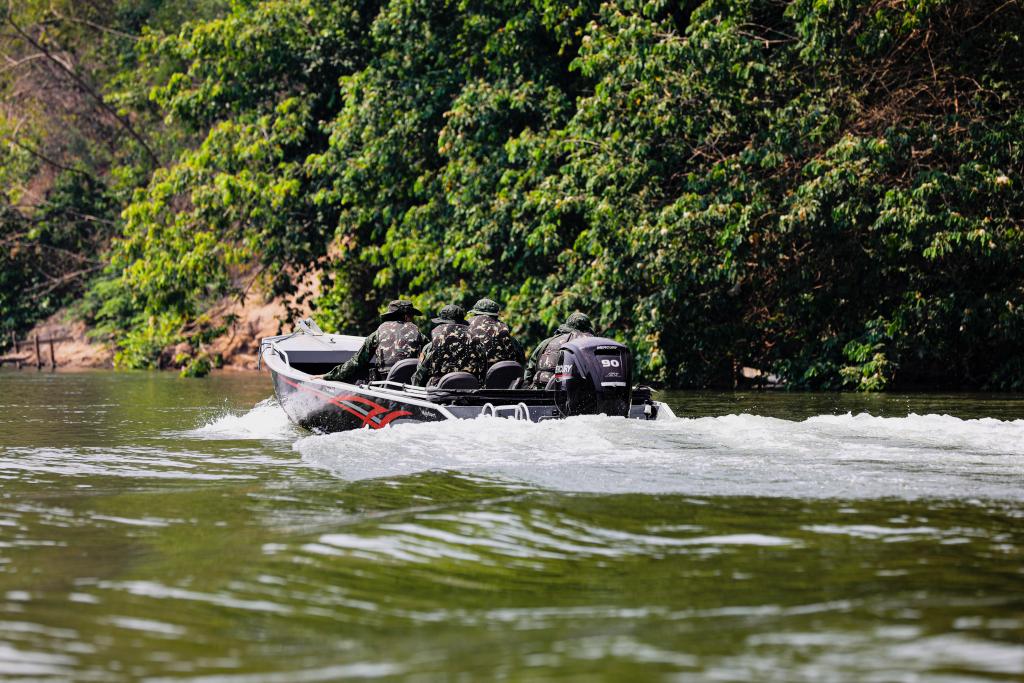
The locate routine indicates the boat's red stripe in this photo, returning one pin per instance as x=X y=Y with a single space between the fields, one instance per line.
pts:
x=367 y=418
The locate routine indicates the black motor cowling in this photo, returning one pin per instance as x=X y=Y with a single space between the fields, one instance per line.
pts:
x=594 y=375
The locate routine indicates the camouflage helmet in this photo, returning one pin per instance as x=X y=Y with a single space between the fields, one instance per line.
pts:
x=486 y=307
x=579 y=321
x=398 y=309
x=452 y=313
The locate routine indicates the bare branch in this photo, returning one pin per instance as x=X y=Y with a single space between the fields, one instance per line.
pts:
x=45 y=159
x=71 y=254
x=91 y=24
x=15 y=63
x=992 y=14
x=43 y=289
x=88 y=89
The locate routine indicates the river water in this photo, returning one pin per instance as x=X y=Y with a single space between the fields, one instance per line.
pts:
x=160 y=529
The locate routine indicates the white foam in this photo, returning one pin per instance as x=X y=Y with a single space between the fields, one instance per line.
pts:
x=266 y=420
x=844 y=456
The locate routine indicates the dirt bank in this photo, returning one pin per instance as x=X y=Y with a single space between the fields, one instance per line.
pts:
x=256 y=318
x=240 y=345
x=74 y=351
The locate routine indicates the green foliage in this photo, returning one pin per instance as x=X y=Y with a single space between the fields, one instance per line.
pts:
x=830 y=191
x=48 y=254
x=73 y=147
x=239 y=206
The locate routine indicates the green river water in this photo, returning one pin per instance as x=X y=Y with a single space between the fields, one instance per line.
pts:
x=160 y=529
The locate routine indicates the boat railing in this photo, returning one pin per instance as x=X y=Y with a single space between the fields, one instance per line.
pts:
x=519 y=411
x=272 y=345
x=390 y=384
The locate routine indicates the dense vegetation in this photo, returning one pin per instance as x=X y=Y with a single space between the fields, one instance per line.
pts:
x=831 y=190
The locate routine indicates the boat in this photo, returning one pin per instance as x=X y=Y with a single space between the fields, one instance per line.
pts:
x=593 y=376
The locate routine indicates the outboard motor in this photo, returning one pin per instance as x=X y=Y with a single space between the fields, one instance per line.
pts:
x=594 y=375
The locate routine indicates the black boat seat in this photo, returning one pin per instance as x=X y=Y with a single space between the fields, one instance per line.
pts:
x=503 y=374
x=458 y=380
x=403 y=370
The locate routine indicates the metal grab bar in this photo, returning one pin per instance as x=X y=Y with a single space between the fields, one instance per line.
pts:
x=279 y=351
x=398 y=386
x=271 y=343
x=520 y=411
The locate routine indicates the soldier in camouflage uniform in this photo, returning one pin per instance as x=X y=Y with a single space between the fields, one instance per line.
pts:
x=541 y=367
x=451 y=349
x=493 y=335
x=396 y=339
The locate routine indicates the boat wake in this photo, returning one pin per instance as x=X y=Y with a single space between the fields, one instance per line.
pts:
x=827 y=456
x=266 y=421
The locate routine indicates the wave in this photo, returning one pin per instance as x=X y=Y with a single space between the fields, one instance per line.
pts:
x=266 y=420
x=827 y=456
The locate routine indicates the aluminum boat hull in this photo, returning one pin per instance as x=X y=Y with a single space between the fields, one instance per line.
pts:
x=324 y=406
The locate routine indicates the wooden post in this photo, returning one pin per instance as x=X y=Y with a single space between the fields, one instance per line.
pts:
x=53 y=357
x=39 y=356
x=17 y=350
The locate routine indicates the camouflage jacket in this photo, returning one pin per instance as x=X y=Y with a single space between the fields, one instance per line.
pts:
x=452 y=349
x=391 y=342
x=496 y=340
x=541 y=366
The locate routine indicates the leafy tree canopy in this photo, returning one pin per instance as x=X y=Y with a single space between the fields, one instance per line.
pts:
x=830 y=190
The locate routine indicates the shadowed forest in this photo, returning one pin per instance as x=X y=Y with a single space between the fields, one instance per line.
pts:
x=828 y=190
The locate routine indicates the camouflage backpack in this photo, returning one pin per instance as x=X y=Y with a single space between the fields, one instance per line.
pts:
x=495 y=338
x=455 y=351
x=396 y=341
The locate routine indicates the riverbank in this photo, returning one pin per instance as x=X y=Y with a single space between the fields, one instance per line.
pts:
x=75 y=350
x=237 y=349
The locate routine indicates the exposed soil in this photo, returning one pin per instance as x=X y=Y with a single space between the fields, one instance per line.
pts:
x=256 y=319
x=74 y=351
x=238 y=347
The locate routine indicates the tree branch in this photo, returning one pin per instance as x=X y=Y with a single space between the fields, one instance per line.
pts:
x=45 y=159
x=15 y=63
x=73 y=75
x=45 y=288
x=91 y=24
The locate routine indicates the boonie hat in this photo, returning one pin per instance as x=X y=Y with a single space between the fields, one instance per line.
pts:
x=399 y=308
x=485 y=307
x=452 y=313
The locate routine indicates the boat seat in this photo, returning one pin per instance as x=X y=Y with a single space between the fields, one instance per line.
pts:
x=503 y=374
x=552 y=383
x=403 y=370
x=458 y=380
